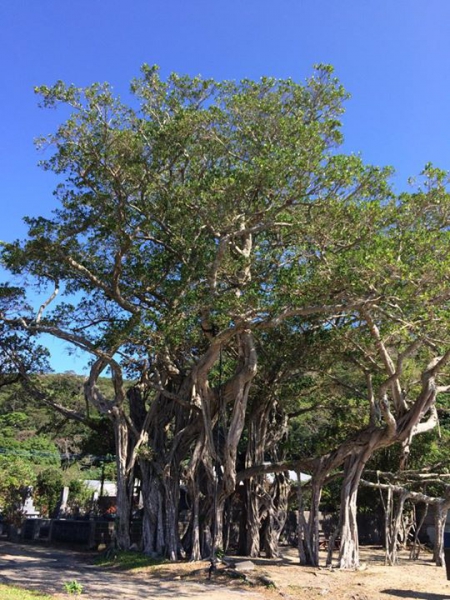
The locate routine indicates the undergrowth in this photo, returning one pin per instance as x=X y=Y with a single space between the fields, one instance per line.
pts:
x=8 y=592
x=128 y=561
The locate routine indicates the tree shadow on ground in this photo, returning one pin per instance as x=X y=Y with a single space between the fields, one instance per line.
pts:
x=415 y=595
x=46 y=570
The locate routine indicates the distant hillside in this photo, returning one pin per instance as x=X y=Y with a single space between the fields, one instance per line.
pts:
x=27 y=419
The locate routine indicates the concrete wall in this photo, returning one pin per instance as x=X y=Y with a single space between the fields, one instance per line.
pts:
x=85 y=533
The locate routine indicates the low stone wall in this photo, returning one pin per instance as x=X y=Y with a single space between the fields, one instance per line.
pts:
x=81 y=532
x=86 y=533
x=36 y=529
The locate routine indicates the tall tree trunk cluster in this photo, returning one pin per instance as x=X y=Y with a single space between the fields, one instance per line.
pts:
x=400 y=526
x=184 y=442
x=183 y=437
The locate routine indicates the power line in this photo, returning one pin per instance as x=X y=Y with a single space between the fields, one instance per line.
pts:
x=60 y=456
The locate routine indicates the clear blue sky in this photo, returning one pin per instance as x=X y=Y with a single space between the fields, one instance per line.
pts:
x=393 y=56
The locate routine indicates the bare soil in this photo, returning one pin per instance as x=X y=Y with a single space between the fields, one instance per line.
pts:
x=414 y=580
x=47 y=569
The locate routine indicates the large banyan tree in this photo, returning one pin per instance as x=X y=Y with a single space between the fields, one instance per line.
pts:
x=210 y=245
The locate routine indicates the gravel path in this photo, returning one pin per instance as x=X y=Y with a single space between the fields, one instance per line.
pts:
x=47 y=569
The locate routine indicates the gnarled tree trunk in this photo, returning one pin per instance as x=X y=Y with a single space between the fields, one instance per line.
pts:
x=153 y=538
x=276 y=515
x=124 y=484
x=440 y=519
x=353 y=468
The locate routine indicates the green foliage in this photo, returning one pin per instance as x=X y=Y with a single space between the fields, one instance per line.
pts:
x=197 y=163
x=42 y=450
x=19 y=438
x=39 y=451
x=8 y=592
x=16 y=475
x=128 y=561
x=14 y=420
x=90 y=468
x=32 y=429
x=73 y=587
x=49 y=484
x=80 y=496
x=20 y=355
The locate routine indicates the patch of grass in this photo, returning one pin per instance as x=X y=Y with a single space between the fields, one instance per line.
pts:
x=73 y=587
x=128 y=561
x=8 y=592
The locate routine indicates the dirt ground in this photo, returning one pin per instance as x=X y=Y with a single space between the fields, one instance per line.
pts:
x=47 y=569
x=413 y=580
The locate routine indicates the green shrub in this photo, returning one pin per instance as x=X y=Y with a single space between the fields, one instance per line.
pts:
x=48 y=490
x=73 y=587
x=16 y=475
x=80 y=495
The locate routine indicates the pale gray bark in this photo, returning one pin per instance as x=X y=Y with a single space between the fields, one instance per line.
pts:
x=440 y=518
